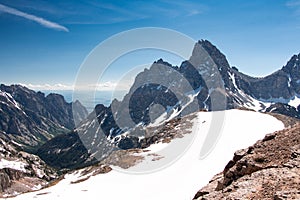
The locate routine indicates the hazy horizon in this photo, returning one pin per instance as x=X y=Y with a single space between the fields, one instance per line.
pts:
x=45 y=43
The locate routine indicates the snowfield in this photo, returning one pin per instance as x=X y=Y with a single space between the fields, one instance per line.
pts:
x=179 y=181
x=14 y=164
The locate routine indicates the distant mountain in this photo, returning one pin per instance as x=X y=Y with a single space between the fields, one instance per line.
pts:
x=204 y=82
x=30 y=118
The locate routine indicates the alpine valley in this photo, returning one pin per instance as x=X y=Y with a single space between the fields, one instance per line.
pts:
x=42 y=151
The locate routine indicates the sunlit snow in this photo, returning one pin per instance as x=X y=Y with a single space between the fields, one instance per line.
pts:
x=182 y=179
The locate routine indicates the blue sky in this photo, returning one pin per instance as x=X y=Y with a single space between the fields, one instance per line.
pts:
x=45 y=42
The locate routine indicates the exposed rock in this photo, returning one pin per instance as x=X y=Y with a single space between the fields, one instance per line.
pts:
x=5 y=181
x=31 y=118
x=70 y=154
x=271 y=170
x=163 y=83
x=284 y=109
x=287 y=121
x=20 y=171
x=96 y=169
x=124 y=158
x=204 y=82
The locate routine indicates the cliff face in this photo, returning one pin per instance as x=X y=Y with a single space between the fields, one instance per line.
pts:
x=270 y=169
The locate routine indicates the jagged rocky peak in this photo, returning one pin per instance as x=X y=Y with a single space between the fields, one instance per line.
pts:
x=211 y=64
x=218 y=57
x=100 y=108
x=292 y=70
x=14 y=88
x=293 y=64
x=161 y=61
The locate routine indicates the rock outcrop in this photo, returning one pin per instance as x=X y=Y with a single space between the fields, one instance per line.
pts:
x=72 y=153
x=270 y=169
x=20 y=171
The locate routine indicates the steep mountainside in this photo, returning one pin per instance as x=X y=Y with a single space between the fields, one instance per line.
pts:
x=30 y=118
x=164 y=92
x=188 y=88
x=66 y=151
x=270 y=169
x=20 y=171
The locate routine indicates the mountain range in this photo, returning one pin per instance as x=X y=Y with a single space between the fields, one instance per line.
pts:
x=164 y=92
x=44 y=125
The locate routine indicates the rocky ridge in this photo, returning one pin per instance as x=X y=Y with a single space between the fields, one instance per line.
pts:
x=204 y=82
x=20 y=171
x=30 y=118
x=126 y=158
x=55 y=155
x=270 y=169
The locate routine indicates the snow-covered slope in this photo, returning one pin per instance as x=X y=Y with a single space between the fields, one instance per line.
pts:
x=182 y=179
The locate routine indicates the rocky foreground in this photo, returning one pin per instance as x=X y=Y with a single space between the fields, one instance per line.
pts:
x=270 y=169
x=21 y=172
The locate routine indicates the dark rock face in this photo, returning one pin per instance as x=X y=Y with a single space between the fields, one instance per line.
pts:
x=5 y=181
x=283 y=83
x=277 y=87
x=23 y=169
x=267 y=170
x=284 y=109
x=162 y=85
x=129 y=143
x=143 y=97
x=30 y=118
x=7 y=175
x=154 y=86
x=65 y=151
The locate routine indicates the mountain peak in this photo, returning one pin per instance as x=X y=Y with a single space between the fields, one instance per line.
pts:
x=292 y=65
x=161 y=61
x=218 y=57
x=205 y=42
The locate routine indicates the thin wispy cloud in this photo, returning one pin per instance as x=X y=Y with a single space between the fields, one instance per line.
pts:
x=105 y=86
x=39 y=20
x=39 y=87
